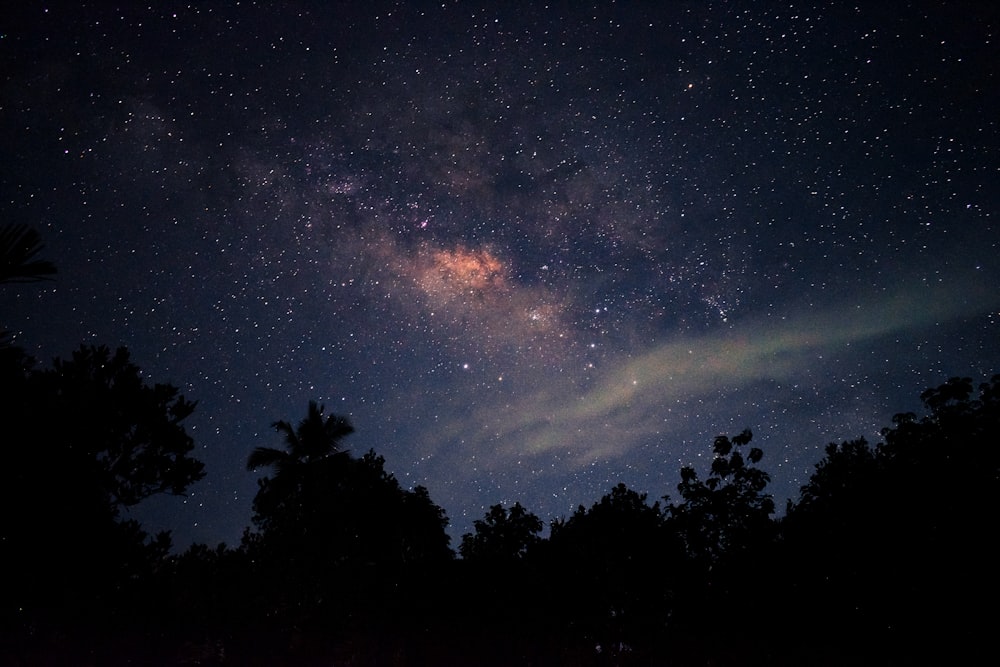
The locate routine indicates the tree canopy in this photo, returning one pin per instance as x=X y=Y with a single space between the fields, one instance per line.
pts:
x=86 y=438
x=503 y=535
x=885 y=555
x=333 y=528
x=894 y=538
x=726 y=512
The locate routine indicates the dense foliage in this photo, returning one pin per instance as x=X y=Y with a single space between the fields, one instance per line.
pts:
x=886 y=557
x=84 y=440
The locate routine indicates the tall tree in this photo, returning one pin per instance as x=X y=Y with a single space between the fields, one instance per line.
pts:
x=608 y=571
x=314 y=444
x=894 y=541
x=502 y=536
x=86 y=439
x=94 y=419
x=729 y=511
x=336 y=533
x=129 y=429
x=724 y=522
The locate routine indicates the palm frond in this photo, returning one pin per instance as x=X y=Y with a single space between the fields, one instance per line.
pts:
x=319 y=435
x=18 y=246
x=337 y=428
x=268 y=457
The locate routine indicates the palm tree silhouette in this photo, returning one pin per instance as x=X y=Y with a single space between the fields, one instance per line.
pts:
x=18 y=246
x=315 y=438
x=310 y=449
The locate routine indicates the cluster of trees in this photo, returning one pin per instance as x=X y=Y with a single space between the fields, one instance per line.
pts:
x=887 y=556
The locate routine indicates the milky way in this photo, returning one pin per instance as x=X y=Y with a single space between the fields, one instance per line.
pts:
x=531 y=252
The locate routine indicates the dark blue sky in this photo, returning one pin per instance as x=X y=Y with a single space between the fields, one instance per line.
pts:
x=529 y=252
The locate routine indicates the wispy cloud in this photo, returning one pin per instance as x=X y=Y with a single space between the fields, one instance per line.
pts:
x=626 y=404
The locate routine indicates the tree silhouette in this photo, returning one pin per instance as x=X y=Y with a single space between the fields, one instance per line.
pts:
x=313 y=445
x=726 y=513
x=315 y=437
x=886 y=557
x=502 y=536
x=608 y=572
x=19 y=244
x=831 y=539
x=845 y=475
x=891 y=543
x=130 y=430
x=495 y=578
x=336 y=534
x=94 y=417
x=724 y=523
x=86 y=439
x=208 y=593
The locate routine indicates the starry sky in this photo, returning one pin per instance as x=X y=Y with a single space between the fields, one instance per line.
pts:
x=530 y=251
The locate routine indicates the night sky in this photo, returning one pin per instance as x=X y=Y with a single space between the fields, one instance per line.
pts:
x=530 y=252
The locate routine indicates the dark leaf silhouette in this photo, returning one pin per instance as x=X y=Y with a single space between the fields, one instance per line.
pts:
x=880 y=540
x=886 y=537
x=335 y=534
x=85 y=440
x=502 y=535
x=727 y=512
x=19 y=245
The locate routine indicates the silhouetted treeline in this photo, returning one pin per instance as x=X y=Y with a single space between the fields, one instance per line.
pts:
x=82 y=441
x=886 y=557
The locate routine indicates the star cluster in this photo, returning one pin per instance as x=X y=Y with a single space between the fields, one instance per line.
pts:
x=529 y=252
